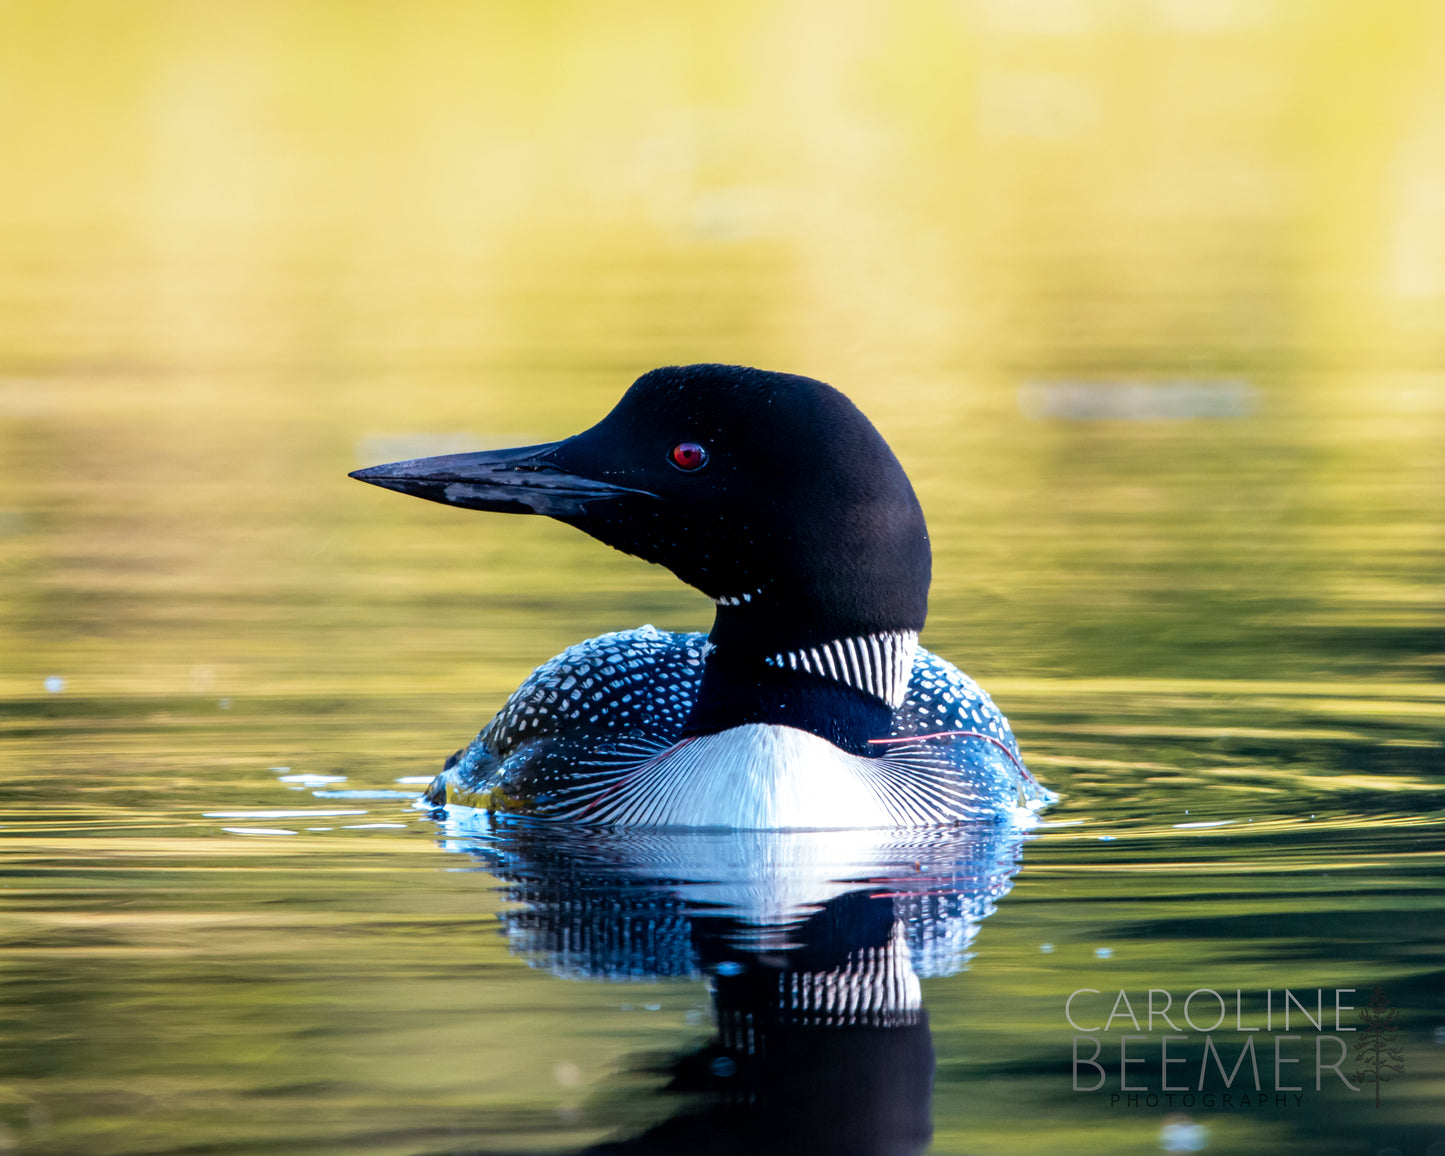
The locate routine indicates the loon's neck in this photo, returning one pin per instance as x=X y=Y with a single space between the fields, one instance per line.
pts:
x=842 y=689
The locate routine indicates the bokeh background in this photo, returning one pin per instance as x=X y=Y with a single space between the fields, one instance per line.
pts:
x=1148 y=295
x=249 y=246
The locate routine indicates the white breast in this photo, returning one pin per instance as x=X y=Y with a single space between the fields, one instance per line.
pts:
x=752 y=777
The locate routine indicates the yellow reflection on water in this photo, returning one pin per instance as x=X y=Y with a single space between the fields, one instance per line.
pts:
x=1159 y=183
x=242 y=242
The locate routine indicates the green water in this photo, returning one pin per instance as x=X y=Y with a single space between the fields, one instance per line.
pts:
x=247 y=247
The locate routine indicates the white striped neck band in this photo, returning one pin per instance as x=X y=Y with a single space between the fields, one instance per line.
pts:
x=877 y=664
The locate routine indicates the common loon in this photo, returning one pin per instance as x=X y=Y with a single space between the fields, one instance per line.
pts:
x=809 y=704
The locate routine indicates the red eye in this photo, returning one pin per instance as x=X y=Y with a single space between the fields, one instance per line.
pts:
x=688 y=456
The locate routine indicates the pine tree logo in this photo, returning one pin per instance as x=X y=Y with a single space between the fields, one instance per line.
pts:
x=1378 y=1051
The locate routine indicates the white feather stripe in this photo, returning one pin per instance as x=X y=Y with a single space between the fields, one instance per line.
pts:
x=852 y=651
x=907 y=650
x=825 y=661
x=910 y=651
x=870 y=661
x=877 y=680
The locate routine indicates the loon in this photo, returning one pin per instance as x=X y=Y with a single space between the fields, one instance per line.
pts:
x=809 y=704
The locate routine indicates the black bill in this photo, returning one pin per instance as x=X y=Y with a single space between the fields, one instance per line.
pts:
x=524 y=480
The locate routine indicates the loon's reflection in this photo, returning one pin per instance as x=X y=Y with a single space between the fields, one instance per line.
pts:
x=813 y=944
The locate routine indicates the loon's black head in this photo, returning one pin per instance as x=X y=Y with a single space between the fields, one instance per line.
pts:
x=770 y=493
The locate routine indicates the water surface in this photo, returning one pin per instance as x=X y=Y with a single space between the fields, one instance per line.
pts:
x=1148 y=299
